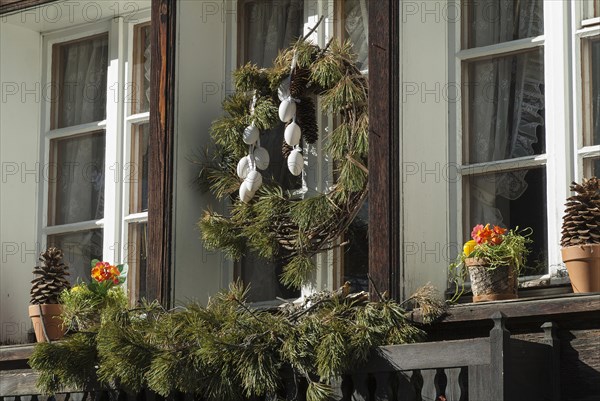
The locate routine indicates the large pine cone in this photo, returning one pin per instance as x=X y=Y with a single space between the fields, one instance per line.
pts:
x=52 y=279
x=299 y=81
x=306 y=118
x=581 y=222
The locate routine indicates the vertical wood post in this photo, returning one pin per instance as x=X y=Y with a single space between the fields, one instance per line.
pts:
x=384 y=147
x=553 y=360
x=160 y=196
x=500 y=356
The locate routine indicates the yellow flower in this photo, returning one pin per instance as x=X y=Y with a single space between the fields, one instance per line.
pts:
x=77 y=288
x=469 y=247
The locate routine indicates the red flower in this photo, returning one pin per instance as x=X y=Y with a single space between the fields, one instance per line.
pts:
x=487 y=235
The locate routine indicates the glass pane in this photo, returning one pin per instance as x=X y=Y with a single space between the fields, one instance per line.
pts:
x=137 y=170
x=136 y=256
x=79 y=248
x=141 y=69
x=496 y=21
x=356 y=252
x=596 y=8
x=356 y=28
x=505 y=116
x=511 y=199
x=269 y=27
x=591 y=167
x=80 y=69
x=76 y=179
x=595 y=104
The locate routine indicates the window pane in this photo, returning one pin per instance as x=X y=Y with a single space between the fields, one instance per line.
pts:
x=76 y=179
x=79 y=69
x=496 y=21
x=356 y=28
x=269 y=27
x=136 y=251
x=356 y=252
x=141 y=69
x=595 y=103
x=591 y=167
x=511 y=199
x=137 y=170
x=79 y=248
x=505 y=107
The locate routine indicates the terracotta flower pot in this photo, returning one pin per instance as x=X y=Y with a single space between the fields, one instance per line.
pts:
x=46 y=322
x=491 y=285
x=583 y=265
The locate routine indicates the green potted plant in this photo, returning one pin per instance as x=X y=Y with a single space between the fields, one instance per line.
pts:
x=45 y=308
x=83 y=303
x=581 y=236
x=491 y=261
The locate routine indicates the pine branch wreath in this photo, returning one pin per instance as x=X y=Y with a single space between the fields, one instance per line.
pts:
x=263 y=217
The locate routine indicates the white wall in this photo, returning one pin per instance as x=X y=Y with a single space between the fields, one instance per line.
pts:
x=424 y=146
x=200 y=77
x=20 y=74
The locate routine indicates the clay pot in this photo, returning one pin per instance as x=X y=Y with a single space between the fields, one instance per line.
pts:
x=583 y=265
x=47 y=316
x=491 y=285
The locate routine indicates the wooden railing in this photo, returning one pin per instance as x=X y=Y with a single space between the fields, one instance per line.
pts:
x=494 y=368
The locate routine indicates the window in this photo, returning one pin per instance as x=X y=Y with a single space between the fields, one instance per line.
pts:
x=504 y=156
x=96 y=136
x=522 y=114
x=264 y=28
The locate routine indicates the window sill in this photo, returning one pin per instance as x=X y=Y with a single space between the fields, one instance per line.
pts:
x=533 y=308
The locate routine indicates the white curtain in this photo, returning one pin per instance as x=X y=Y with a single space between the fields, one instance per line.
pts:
x=506 y=105
x=83 y=87
x=357 y=29
x=80 y=187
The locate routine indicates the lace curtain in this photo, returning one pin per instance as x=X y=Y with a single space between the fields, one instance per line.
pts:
x=506 y=105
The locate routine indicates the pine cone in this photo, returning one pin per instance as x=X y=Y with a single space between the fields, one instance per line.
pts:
x=299 y=82
x=581 y=222
x=286 y=150
x=306 y=118
x=52 y=279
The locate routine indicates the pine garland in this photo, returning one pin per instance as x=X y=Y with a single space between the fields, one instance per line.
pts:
x=226 y=351
x=273 y=224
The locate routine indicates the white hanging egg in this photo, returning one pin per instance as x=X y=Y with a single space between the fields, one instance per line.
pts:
x=287 y=110
x=251 y=135
x=292 y=134
x=245 y=194
x=295 y=162
x=261 y=158
x=253 y=181
x=243 y=167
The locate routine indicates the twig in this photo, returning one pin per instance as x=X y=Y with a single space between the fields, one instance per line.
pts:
x=313 y=29
x=381 y=298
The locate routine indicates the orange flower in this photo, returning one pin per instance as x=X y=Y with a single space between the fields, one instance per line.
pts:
x=104 y=271
x=487 y=235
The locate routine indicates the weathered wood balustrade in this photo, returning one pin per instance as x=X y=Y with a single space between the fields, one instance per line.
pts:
x=494 y=368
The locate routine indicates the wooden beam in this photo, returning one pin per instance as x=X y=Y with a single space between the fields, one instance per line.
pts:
x=8 y=6
x=539 y=309
x=162 y=112
x=384 y=148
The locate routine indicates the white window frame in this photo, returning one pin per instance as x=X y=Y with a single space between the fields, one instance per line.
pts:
x=117 y=131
